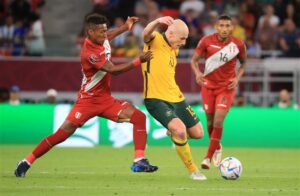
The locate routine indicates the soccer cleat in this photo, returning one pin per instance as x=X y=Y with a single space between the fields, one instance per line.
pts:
x=217 y=157
x=197 y=175
x=22 y=168
x=205 y=163
x=143 y=165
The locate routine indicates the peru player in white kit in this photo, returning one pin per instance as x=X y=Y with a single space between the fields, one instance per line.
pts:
x=94 y=97
x=219 y=80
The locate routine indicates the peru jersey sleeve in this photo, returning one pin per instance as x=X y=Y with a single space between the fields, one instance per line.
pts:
x=242 y=49
x=95 y=60
x=200 y=49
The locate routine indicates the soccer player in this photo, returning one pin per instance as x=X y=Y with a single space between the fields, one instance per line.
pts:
x=163 y=98
x=94 y=97
x=219 y=80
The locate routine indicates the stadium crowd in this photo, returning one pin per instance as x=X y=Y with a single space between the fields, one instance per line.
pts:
x=269 y=27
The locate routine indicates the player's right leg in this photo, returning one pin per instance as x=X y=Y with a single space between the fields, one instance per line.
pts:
x=164 y=113
x=44 y=146
x=179 y=137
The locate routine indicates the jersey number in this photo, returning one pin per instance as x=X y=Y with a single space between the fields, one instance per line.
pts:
x=190 y=110
x=223 y=57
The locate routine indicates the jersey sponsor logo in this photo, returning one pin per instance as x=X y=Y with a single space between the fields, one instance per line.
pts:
x=93 y=59
x=221 y=57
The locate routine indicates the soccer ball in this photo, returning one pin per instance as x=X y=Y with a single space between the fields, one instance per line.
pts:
x=230 y=168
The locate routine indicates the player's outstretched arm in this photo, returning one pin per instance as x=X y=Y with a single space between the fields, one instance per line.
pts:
x=125 y=27
x=118 y=69
x=148 y=31
x=195 y=67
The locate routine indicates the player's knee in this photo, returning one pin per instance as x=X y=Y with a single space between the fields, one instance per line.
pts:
x=197 y=132
x=198 y=135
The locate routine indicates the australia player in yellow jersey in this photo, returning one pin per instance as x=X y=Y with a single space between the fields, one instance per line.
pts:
x=163 y=98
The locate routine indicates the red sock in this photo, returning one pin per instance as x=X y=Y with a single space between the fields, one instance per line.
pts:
x=210 y=130
x=46 y=144
x=138 y=119
x=214 y=141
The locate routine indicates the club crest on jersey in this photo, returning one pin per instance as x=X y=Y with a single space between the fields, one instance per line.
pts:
x=77 y=115
x=93 y=59
x=168 y=113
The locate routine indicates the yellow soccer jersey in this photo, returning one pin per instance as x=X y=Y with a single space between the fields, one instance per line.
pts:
x=159 y=72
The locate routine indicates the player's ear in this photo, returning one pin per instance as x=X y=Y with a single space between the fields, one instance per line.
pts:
x=90 y=32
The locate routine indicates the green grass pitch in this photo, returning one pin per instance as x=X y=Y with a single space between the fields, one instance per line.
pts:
x=106 y=171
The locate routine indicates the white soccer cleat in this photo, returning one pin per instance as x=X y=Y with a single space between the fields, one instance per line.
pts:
x=217 y=157
x=197 y=175
x=205 y=164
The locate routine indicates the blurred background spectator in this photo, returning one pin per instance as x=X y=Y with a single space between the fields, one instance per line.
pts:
x=254 y=22
x=14 y=95
x=285 y=101
x=4 y=95
x=7 y=36
x=35 y=43
x=289 y=39
x=20 y=31
x=209 y=27
x=51 y=96
x=270 y=29
x=20 y=10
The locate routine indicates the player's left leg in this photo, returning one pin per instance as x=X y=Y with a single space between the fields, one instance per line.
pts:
x=122 y=111
x=217 y=156
x=44 y=146
x=79 y=114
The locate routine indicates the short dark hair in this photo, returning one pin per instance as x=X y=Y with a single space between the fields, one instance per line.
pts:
x=95 y=19
x=224 y=17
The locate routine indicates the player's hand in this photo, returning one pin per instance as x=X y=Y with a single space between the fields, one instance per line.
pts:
x=233 y=83
x=146 y=56
x=130 y=21
x=167 y=20
x=200 y=79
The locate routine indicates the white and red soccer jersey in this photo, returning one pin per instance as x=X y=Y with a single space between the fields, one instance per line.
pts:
x=95 y=82
x=220 y=59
